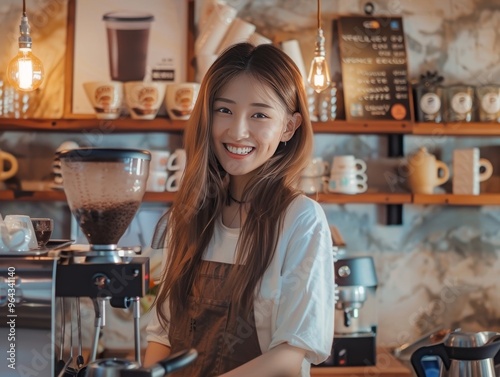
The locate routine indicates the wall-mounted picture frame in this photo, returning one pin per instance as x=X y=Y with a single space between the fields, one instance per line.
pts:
x=125 y=40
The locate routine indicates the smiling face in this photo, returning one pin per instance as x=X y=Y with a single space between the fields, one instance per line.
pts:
x=249 y=122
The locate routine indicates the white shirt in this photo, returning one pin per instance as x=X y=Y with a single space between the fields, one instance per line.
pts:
x=295 y=303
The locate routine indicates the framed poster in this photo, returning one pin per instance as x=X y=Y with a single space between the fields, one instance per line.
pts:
x=374 y=68
x=126 y=40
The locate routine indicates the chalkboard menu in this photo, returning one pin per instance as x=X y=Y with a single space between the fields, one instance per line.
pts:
x=374 y=68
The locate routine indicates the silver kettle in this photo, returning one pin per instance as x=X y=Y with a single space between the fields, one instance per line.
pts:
x=463 y=354
x=113 y=367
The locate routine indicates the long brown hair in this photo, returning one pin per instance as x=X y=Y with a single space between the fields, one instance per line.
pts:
x=203 y=192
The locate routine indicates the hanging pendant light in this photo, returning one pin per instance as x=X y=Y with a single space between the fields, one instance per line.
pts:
x=25 y=71
x=319 y=74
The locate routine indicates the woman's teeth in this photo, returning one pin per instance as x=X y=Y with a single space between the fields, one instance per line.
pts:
x=239 y=150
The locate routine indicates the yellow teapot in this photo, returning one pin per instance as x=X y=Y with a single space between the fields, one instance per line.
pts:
x=425 y=172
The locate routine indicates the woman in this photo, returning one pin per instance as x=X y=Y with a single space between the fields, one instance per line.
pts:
x=248 y=278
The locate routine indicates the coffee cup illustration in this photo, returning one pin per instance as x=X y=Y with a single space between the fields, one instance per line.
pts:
x=128 y=39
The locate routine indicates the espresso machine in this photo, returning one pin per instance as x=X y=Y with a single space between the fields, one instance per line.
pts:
x=104 y=189
x=354 y=342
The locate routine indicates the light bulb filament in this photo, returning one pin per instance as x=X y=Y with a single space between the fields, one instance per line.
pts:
x=25 y=72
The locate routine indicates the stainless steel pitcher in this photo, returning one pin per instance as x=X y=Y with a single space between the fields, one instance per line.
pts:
x=463 y=354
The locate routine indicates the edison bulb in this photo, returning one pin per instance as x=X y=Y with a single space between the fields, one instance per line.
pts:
x=25 y=71
x=319 y=75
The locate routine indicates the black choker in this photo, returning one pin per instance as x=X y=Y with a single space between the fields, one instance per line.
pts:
x=235 y=200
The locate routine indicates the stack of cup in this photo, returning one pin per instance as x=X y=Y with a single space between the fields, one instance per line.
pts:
x=311 y=180
x=56 y=163
x=158 y=174
x=347 y=175
x=175 y=166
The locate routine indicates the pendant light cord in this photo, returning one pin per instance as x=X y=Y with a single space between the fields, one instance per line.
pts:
x=24 y=7
x=319 y=14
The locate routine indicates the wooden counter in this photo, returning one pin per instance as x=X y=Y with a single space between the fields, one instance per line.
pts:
x=387 y=366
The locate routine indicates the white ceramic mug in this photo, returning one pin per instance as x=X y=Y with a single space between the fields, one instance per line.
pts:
x=144 y=99
x=180 y=99
x=316 y=167
x=159 y=160
x=177 y=160
x=13 y=168
x=12 y=239
x=156 y=181
x=351 y=183
x=469 y=170
x=174 y=181
x=106 y=98
x=348 y=163
x=22 y=233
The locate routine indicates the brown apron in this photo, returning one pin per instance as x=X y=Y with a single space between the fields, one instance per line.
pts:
x=223 y=338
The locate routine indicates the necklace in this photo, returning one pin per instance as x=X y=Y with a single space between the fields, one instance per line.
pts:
x=236 y=200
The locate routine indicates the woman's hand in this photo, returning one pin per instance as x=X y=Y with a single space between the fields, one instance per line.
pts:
x=155 y=352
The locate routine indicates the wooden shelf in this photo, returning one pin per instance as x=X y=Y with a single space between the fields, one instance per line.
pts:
x=58 y=195
x=457 y=129
x=363 y=127
x=168 y=197
x=163 y=124
x=460 y=200
x=367 y=198
x=159 y=124
x=32 y=196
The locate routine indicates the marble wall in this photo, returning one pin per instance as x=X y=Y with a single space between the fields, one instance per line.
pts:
x=440 y=267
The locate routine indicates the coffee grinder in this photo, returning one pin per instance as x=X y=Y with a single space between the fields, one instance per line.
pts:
x=104 y=189
x=355 y=315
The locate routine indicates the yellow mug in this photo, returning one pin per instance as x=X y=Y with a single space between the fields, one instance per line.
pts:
x=6 y=174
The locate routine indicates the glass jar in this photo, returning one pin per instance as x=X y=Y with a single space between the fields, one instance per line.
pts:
x=488 y=97
x=429 y=103
x=460 y=103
